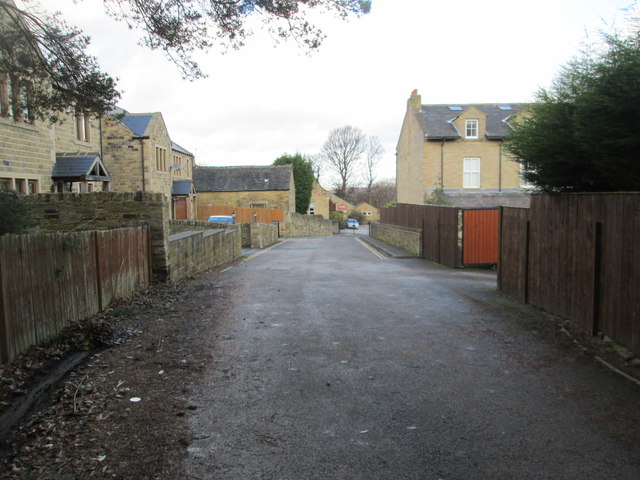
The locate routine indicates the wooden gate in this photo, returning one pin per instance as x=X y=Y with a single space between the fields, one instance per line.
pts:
x=480 y=237
x=180 y=208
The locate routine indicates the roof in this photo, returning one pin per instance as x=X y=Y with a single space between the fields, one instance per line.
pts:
x=79 y=166
x=136 y=123
x=437 y=120
x=178 y=148
x=242 y=179
x=181 y=188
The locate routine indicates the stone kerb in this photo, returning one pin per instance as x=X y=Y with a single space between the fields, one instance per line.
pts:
x=409 y=239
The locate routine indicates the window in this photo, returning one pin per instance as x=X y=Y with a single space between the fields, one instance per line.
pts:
x=25 y=114
x=6 y=184
x=33 y=187
x=161 y=159
x=5 y=96
x=21 y=185
x=177 y=165
x=257 y=205
x=523 y=182
x=14 y=99
x=471 y=173
x=471 y=128
x=83 y=128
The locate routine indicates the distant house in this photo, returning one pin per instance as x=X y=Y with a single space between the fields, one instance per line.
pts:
x=368 y=212
x=323 y=202
x=141 y=156
x=458 y=149
x=250 y=186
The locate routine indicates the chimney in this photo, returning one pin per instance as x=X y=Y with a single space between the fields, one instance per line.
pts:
x=415 y=101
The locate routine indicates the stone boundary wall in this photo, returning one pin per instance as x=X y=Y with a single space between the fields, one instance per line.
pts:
x=263 y=235
x=67 y=212
x=297 y=225
x=180 y=226
x=409 y=239
x=193 y=252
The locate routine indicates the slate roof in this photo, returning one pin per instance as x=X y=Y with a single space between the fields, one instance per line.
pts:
x=180 y=149
x=242 y=179
x=136 y=123
x=437 y=120
x=80 y=166
x=181 y=188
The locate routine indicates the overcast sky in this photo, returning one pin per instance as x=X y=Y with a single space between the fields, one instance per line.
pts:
x=263 y=101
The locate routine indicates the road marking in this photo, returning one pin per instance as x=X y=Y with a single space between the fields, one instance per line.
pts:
x=257 y=254
x=371 y=249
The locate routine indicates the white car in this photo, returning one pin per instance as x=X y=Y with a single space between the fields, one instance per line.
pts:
x=352 y=223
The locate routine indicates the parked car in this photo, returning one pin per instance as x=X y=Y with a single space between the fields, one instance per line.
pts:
x=220 y=219
x=352 y=223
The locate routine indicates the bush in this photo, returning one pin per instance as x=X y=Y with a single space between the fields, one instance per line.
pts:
x=15 y=213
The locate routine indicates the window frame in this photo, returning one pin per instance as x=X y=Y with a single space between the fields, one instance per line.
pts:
x=83 y=128
x=469 y=174
x=472 y=125
x=161 y=159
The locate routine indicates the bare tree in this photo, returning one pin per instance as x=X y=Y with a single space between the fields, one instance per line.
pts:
x=342 y=152
x=375 y=150
x=316 y=165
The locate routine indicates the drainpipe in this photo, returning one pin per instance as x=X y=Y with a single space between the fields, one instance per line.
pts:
x=500 y=167
x=142 y=139
x=100 y=128
x=442 y=165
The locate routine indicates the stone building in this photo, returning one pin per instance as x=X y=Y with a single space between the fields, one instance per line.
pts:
x=141 y=156
x=458 y=149
x=368 y=212
x=252 y=186
x=323 y=202
x=39 y=157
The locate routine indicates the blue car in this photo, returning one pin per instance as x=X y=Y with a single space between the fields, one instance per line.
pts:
x=220 y=219
x=352 y=223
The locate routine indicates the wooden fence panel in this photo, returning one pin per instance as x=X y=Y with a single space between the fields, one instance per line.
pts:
x=243 y=214
x=441 y=235
x=49 y=280
x=123 y=262
x=583 y=262
x=514 y=248
x=480 y=236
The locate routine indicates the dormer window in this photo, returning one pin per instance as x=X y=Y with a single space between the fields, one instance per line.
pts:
x=471 y=128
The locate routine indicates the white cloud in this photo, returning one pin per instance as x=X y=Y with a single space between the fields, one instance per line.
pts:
x=262 y=101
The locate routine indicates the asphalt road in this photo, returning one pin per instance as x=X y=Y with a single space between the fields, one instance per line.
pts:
x=334 y=363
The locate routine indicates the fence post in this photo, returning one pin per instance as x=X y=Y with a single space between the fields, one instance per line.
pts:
x=527 y=261
x=597 y=278
x=4 y=326
x=98 y=272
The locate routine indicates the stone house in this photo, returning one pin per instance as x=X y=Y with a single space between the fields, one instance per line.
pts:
x=39 y=157
x=323 y=202
x=368 y=212
x=269 y=187
x=458 y=149
x=141 y=156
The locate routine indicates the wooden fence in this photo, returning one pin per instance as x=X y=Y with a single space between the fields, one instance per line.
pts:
x=451 y=236
x=577 y=256
x=243 y=214
x=49 y=280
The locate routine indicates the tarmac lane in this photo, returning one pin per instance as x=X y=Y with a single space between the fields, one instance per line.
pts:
x=336 y=363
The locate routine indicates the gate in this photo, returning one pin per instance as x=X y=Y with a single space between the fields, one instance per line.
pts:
x=180 y=208
x=480 y=237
